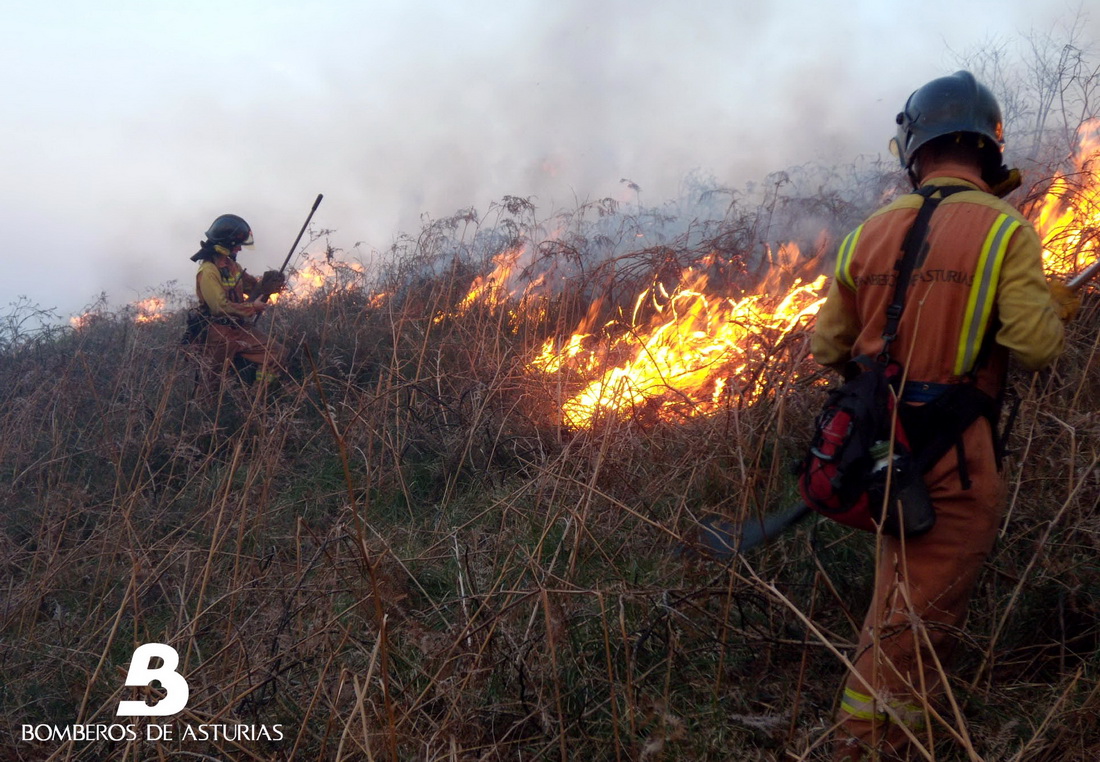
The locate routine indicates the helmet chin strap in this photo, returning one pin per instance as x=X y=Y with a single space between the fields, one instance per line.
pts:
x=227 y=251
x=914 y=173
x=1004 y=181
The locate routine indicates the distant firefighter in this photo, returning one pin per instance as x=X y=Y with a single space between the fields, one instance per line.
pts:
x=229 y=301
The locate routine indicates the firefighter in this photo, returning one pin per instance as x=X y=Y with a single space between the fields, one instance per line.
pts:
x=979 y=295
x=230 y=300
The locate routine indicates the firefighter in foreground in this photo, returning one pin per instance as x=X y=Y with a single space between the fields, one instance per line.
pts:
x=978 y=295
x=230 y=300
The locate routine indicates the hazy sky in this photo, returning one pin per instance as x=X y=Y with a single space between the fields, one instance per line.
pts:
x=128 y=126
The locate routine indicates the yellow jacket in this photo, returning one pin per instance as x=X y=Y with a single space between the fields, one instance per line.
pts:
x=223 y=285
x=979 y=272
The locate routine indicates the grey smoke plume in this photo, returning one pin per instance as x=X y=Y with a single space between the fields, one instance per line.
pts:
x=137 y=124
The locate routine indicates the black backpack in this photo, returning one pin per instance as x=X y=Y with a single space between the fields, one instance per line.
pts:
x=860 y=456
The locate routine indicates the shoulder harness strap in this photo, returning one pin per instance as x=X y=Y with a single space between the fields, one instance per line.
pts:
x=931 y=196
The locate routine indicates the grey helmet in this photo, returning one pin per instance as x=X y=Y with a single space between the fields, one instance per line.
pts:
x=958 y=103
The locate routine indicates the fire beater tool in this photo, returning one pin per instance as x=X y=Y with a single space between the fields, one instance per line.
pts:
x=293 y=246
x=721 y=538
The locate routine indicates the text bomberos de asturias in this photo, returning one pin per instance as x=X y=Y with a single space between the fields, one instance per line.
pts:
x=152 y=732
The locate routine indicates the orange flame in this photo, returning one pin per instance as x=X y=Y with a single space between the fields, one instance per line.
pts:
x=694 y=351
x=502 y=286
x=149 y=310
x=491 y=290
x=80 y=322
x=321 y=276
x=1068 y=216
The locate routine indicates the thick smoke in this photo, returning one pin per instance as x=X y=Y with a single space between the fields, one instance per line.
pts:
x=136 y=130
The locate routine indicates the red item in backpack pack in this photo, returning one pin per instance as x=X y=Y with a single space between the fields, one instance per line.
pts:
x=851 y=474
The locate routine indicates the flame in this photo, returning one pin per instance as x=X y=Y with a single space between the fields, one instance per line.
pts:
x=683 y=351
x=321 y=276
x=572 y=353
x=80 y=322
x=1067 y=218
x=689 y=355
x=149 y=310
x=504 y=286
x=491 y=290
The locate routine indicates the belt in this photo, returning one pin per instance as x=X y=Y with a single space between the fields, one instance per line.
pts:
x=222 y=320
x=922 y=391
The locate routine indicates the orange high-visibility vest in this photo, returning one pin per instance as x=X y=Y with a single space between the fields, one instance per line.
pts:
x=979 y=275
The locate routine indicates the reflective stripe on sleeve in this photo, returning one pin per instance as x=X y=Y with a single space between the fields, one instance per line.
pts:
x=979 y=305
x=844 y=258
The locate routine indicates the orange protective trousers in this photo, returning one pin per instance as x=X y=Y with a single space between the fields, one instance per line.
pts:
x=225 y=342
x=922 y=589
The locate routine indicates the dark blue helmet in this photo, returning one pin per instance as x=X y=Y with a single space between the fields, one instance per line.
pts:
x=229 y=230
x=944 y=106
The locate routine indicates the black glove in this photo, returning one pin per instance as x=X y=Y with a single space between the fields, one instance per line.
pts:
x=272 y=282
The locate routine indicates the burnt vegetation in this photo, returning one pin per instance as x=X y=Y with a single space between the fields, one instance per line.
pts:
x=403 y=552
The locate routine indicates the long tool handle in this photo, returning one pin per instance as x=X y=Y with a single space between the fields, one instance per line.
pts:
x=293 y=246
x=301 y=232
x=1084 y=276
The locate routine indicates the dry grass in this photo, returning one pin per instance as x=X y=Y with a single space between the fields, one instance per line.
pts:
x=403 y=554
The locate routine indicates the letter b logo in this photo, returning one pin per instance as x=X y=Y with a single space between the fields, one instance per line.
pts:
x=142 y=674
